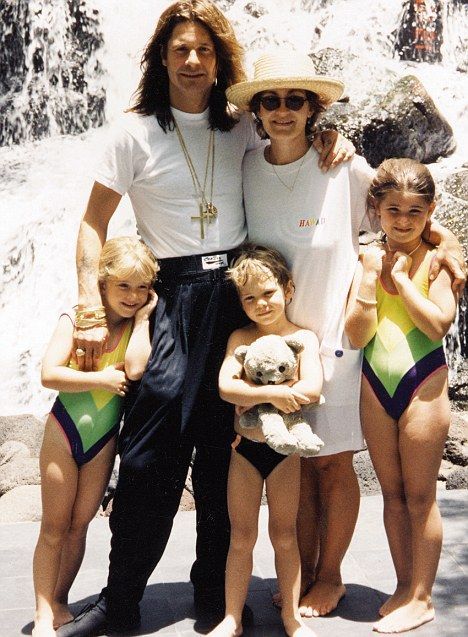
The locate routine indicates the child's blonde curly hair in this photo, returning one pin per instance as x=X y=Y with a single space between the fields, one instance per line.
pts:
x=123 y=257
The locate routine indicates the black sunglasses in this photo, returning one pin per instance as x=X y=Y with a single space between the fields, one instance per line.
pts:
x=273 y=102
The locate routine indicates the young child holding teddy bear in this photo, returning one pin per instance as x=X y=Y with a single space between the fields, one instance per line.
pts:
x=265 y=288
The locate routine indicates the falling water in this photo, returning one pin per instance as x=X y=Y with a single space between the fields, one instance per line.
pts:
x=66 y=65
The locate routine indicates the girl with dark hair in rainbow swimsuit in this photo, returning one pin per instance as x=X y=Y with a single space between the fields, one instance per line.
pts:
x=399 y=317
x=80 y=434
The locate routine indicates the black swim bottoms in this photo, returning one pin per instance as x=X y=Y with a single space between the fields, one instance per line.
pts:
x=259 y=454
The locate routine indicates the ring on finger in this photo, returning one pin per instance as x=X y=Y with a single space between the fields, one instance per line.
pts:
x=80 y=352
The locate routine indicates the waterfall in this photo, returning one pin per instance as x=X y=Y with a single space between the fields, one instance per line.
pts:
x=69 y=67
x=50 y=69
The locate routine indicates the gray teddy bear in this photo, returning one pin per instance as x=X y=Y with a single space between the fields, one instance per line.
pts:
x=273 y=360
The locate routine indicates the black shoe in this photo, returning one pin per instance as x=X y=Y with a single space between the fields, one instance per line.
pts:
x=209 y=607
x=91 y=621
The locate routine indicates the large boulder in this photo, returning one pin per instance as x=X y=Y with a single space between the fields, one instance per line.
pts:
x=368 y=483
x=384 y=116
x=452 y=207
x=22 y=504
x=24 y=428
x=13 y=449
x=407 y=123
x=458 y=479
x=19 y=472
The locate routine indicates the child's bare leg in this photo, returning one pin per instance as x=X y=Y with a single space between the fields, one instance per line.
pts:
x=423 y=430
x=308 y=517
x=339 y=507
x=245 y=486
x=382 y=435
x=282 y=486
x=308 y=522
x=59 y=478
x=93 y=479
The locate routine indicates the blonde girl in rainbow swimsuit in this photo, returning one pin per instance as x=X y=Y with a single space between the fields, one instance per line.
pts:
x=80 y=435
x=399 y=317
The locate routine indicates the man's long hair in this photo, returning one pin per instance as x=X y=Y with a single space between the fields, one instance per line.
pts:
x=152 y=94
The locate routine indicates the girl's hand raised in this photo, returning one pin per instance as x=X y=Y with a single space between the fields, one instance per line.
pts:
x=114 y=379
x=401 y=266
x=372 y=259
x=144 y=312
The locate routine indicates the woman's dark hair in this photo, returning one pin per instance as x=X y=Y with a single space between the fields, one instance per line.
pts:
x=152 y=94
x=314 y=102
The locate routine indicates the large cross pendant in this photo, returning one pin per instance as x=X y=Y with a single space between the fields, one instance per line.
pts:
x=207 y=213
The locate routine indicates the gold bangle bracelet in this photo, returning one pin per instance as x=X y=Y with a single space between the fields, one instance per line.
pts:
x=96 y=314
x=88 y=323
x=372 y=302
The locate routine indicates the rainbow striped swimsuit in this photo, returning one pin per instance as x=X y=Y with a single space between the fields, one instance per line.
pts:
x=89 y=419
x=399 y=358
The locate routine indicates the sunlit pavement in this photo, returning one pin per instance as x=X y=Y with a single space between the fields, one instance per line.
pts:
x=167 y=605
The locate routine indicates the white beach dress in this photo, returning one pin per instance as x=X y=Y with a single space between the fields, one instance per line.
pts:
x=316 y=227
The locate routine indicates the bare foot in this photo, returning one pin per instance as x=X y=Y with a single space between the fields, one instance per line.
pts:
x=411 y=615
x=398 y=598
x=322 y=599
x=295 y=627
x=229 y=627
x=62 y=615
x=306 y=585
x=43 y=628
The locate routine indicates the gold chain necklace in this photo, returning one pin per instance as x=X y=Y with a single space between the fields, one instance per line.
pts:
x=208 y=211
x=408 y=254
x=287 y=186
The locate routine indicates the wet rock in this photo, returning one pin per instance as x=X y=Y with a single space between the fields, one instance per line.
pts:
x=24 y=428
x=408 y=125
x=458 y=479
x=385 y=116
x=254 y=9
x=457 y=185
x=364 y=81
x=12 y=450
x=22 y=504
x=446 y=468
x=452 y=207
x=19 y=472
x=225 y=5
x=456 y=452
x=367 y=478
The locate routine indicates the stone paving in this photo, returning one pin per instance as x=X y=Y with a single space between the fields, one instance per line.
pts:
x=167 y=606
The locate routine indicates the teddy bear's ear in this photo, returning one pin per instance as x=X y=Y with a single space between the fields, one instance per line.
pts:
x=240 y=353
x=294 y=344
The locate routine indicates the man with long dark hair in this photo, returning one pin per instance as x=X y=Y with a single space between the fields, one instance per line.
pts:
x=178 y=156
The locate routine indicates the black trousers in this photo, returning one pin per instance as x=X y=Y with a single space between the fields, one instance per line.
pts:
x=173 y=411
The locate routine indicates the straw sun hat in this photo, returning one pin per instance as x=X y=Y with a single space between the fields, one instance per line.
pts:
x=285 y=70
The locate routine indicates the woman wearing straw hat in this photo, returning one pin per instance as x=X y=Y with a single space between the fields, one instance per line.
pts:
x=314 y=219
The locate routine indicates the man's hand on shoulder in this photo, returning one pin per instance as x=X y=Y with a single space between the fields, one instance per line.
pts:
x=333 y=149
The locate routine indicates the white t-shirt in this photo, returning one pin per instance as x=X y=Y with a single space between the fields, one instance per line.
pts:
x=148 y=164
x=316 y=227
